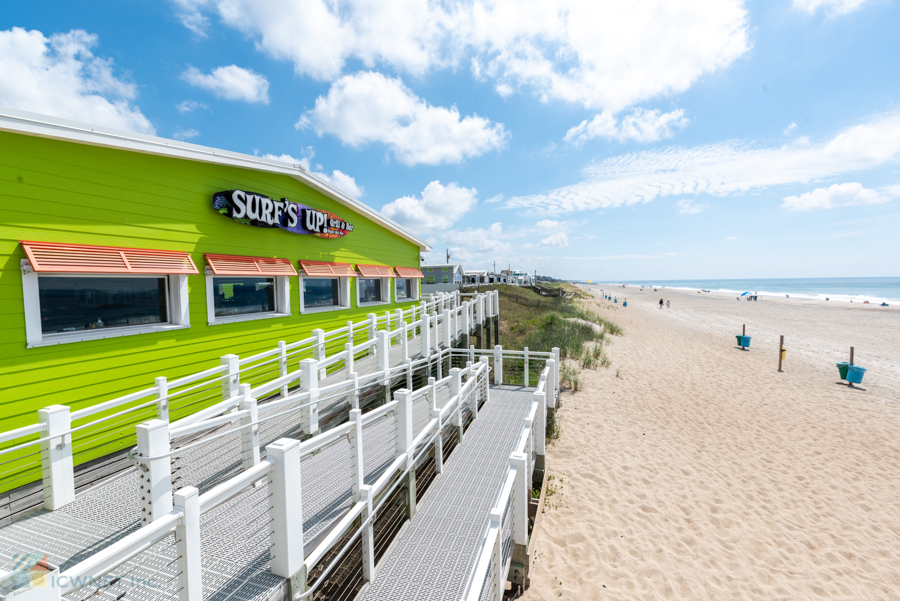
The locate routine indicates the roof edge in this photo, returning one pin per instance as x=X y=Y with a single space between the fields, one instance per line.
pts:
x=34 y=124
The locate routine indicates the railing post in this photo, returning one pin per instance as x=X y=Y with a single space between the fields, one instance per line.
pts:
x=526 y=379
x=552 y=384
x=486 y=380
x=162 y=398
x=448 y=339
x=354 y=401
x=155 y=474
x=558 y=365
x=57 y=466
x=286 y=514
x=404 y=444
x=387 y=321
x=368 y=535
x=439 y=439
x=309 y=382
x=348 y=362
x=319 y=349
x=283 y=365
x=426 y=334
x=519 y=507
x=249 y=433
x=384 y=362
x=357 y=471
x=350 y=333
x=405 y=342
x=409 y=374
x=232 y=378
x=498 y=365
x=540 y=430
x=373 y=325
x=498 y=585
x=187 y=545
x=472 y=353
x=440 y=365
x=455 y=389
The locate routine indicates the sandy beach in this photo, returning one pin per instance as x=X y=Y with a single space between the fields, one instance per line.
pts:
x=700 y=472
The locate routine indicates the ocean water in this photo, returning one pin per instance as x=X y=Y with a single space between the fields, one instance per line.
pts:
x=835 y=289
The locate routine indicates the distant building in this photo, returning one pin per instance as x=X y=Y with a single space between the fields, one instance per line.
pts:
x=479 y=277
x=443 y=277
x=516 y=278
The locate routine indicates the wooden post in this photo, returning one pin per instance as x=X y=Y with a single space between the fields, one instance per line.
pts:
x=745 y=330
x=849 y=383
x=780 y=352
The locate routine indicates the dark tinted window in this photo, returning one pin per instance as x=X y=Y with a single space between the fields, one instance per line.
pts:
x=369 y=290
x=320 y=292
x=70 y=304
x=404 y=288
x=238 y=296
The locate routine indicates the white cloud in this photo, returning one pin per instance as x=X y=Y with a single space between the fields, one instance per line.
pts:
x=832 y=7
x=731 y=238
x=437 y=209
x=338 y=179
x=187 y=106
x=60 y=76
x=721 y=169
x=789 y=129
x=548 y=224
x=231 y=83
x=840 y=195
x=688 y=207
x=559 y=239
x=639 y=125
x=185 y=134
x=368 y=107
x=602 y=55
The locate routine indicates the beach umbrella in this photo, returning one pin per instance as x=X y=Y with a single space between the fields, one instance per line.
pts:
x=745 y=294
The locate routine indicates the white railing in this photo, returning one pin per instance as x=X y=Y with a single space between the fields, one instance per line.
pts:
x=60 y=434
x=519 y=367
x=508 y=518
x=281 y=469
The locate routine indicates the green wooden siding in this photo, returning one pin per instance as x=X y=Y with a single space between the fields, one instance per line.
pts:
x=55 y=191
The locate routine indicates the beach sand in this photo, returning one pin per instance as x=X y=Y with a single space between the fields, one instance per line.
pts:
x=703 y=473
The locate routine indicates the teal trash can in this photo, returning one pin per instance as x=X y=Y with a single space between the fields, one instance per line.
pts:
x=855 y=374
x=743 y=341
x=842 y=369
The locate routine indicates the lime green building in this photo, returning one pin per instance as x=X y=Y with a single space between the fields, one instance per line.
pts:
x=127 y=256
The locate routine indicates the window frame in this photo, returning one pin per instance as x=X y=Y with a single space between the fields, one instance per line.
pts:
x=343 y=296
x=177 y=308
x=282 y=300
x=430 y=277
x=414 y=284
x=386 y=285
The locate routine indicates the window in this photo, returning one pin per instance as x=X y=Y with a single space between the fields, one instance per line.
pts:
x=429 y=280
x=321 y=292
x=406 y=289
x=370 y=290
x=245 y=288
x=74 y=293
x=240 y=296
x=446 y=279
x=443 y=269
x=323 y=288
x=73 y=304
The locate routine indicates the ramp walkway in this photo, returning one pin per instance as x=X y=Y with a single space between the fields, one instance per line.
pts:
x=433 y=558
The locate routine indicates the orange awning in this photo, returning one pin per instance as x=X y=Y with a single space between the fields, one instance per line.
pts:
x=324 y=269
x=375 y=271
x=52 y=257
x=409 y=272
x=249 y=266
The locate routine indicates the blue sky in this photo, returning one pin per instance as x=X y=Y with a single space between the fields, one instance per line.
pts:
x=662 y=139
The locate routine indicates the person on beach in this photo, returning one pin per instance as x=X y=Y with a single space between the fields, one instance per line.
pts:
x=660 y=303
x=668 y=305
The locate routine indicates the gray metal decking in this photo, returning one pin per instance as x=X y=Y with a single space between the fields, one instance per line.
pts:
x=433 y=557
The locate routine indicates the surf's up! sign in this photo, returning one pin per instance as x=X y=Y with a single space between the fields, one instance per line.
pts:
x=259 y=210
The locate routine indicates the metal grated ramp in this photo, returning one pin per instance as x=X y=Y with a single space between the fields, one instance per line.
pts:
x=433 y=557
x=235 y=543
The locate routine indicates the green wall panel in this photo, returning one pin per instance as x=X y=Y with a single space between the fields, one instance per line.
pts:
x=56 y=191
